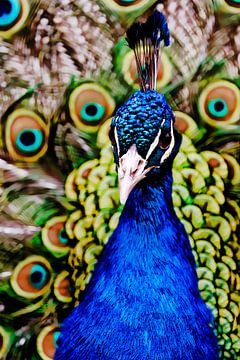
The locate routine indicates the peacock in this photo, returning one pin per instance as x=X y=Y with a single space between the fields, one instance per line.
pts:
x=65 y=71
x=144 y=286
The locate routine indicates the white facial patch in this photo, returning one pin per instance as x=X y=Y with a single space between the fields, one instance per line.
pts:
x=117 y=141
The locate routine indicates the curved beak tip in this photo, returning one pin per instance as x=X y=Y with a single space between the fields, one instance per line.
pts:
x=125 y=187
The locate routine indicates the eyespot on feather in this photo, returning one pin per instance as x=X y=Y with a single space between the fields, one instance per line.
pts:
x=185 y=124
x=13 y=14
x=32 y=277
x=129 y=70
x=126 y=6
x=47 y=342
x=127 y=2
x=219 y=103
x=62 y=287
x=89 y=106
x=26 y=135
x=228 y=6
x=54 y=236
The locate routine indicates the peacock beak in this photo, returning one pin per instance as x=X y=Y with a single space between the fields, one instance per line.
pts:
x=130 y=171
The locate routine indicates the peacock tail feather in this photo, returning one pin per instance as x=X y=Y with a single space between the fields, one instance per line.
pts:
x=65 y=68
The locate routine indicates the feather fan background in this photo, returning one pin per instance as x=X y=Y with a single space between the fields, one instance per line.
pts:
x=64 y=69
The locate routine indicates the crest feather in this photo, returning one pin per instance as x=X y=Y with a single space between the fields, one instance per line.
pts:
x=145 y=39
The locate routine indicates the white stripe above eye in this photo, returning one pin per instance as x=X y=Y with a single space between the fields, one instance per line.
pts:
x=156 y=141
x=169 y=150
x=116 y=138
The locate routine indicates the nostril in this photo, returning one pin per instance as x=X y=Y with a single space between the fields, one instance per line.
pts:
x=137 y=167
x=134 y=172
x=141 y=163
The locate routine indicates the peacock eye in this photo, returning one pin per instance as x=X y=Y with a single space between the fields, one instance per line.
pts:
x=129 y=70
x=165 y=139
x=31 y=277
x=217 y=108
x=26 y=135
x=219 y=103
x=92 y=111
x=89 y=106
x=47 y=341
x=54 y=236
x=13 y=14
x=9 y=12
x=38 y=276
x=29 y=140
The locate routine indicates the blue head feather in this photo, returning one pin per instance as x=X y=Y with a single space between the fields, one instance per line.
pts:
x=139 y=120
x=157 y=29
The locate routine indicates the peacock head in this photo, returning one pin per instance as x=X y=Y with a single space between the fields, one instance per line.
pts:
x=144 y=139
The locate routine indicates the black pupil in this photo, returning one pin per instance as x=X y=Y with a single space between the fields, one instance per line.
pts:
x=218 y=106
x=64 y=235
x=91 y=110
x=27 y=138
x=5 y=7
x=36 y=277
x=58 y=342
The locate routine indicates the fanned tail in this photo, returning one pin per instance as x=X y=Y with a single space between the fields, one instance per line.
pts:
x=59 y=203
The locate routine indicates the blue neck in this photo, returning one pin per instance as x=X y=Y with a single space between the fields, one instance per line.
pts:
x=143 y=300
x=151 y=197
x=151 y=223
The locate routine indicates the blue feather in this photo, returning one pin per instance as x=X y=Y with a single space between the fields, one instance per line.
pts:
x=143 y=300
x=157 y=29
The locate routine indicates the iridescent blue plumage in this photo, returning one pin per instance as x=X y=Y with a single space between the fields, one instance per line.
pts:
x=143 y=300
x=141 y=117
